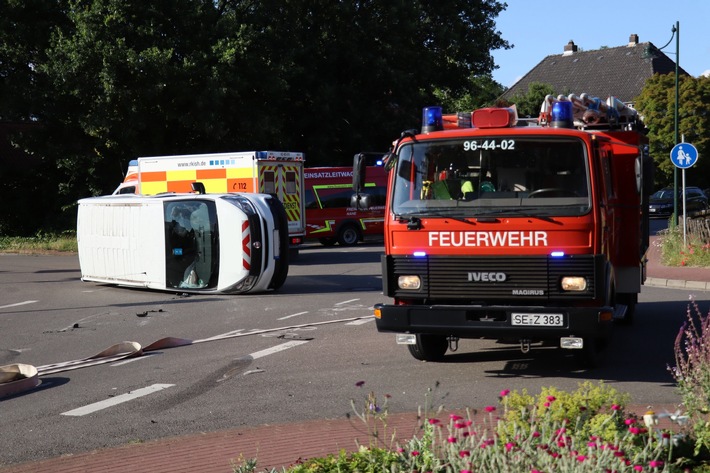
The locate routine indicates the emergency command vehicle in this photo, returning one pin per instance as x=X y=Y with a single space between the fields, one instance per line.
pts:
x=193 y=243
x=269 y=172
x=525 y=231
x=334 y=214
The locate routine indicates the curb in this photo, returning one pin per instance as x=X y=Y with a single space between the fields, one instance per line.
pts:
x=677 y=284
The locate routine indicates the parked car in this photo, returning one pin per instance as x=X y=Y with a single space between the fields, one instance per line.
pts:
x=661 y=202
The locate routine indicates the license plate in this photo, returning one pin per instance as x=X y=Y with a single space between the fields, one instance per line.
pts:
x=538 y=320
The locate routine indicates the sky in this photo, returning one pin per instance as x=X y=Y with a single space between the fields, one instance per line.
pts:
x=539 y=28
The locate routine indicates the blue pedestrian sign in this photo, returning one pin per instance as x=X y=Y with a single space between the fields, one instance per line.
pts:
x=684 y=155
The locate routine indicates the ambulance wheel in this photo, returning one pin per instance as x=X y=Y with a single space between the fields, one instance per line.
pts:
x=592 y=354
x=348 y=235
x=429 y=347
x=328 y=241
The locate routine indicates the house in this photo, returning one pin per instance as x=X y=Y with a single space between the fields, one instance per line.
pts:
x=621 y=71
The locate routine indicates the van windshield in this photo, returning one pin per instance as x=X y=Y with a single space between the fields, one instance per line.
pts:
x=191 y=244
x=492 y=176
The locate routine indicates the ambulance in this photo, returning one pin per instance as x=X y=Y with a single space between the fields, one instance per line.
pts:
x=532 y=232
x=335 y=212
x=269 y=172
x=192 y=243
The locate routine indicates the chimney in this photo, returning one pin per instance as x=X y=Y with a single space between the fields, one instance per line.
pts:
x=570 y=48
x=633 y=40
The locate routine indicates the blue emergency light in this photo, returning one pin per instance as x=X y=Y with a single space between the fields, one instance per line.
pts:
x=432 y=119
x=562 y=116
x=557 y=254
x=419 y=254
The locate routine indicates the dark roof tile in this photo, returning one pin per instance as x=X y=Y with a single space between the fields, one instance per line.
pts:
x=621 y=72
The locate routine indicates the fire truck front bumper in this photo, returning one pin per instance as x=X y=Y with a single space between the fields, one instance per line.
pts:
x=495 y=322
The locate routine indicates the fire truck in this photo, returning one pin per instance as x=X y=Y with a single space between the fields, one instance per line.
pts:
x=525 y=231
x=333 y=215
x=270 y=172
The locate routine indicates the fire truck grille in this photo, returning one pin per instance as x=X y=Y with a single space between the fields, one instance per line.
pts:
x=475 y=278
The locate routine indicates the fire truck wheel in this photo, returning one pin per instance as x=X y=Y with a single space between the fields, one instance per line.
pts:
x=348 y=235
x=328 y=241
x=592 y=354
x=429 y=347
x=629 y=300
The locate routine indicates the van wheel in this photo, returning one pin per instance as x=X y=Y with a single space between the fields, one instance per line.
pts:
x=328 y=241
x=348 y=235
x=429 y=347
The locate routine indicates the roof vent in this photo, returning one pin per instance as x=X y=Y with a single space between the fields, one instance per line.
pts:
x=570 y=48
x=633 y=40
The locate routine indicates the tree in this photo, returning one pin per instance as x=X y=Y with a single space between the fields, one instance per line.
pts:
x=119 y=79
x=657 y=104
x=528 y=105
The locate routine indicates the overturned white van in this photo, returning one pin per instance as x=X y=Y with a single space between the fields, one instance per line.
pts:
x=193 y=243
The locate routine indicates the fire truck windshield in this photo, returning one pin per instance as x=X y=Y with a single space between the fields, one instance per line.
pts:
x=492 y=175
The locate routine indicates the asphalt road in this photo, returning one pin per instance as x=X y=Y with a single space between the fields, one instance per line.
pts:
x=265 y=359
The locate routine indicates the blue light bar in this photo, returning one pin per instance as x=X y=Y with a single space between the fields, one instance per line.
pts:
x=432 y=119
x=562 y=116
x=419 y=254
x=557 y=254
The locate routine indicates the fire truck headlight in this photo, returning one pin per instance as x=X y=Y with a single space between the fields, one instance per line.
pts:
x=409 y=282
x=574 y=283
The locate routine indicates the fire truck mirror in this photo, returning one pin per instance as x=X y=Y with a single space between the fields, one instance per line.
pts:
x=359 y=172
x=361 y=201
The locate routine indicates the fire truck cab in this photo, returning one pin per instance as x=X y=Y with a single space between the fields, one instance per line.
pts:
x=527 y=231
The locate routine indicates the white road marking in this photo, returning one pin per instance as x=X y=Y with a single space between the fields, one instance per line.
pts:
x=144 y=356
x=277 y=348
x=292 y=315
x=361 y=321
x=17 y=304
x=97 y=406
x=346 y=302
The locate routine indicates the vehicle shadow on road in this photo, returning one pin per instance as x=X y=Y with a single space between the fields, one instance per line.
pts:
x=642 y=351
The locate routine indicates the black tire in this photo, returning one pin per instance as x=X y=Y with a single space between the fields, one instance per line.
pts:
x=630 y=301
x=592 y=355
x=429 y=347
x=328 y=241
x=348 y=235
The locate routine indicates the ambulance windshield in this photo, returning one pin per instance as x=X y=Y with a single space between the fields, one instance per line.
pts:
x=492 y=175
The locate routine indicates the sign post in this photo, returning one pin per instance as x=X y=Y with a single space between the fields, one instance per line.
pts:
x=683 y=156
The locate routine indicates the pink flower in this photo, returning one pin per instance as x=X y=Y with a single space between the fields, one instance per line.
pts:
x=629 y=421
x=509 y=446
x=415 y=453
x=581 y=458
x=464 y=453
x=455 y=417
x=551 y=398
x=547 y=404
x=504 y=392
x=434 y=421
x=490 y=408
x=451 y=440
x=655 y=464
x=634 y=430
x=638 y=468
x=536 y=434
x=459 y=425
x=615 y=407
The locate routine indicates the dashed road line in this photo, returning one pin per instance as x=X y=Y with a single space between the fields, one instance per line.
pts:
x=17 y=304
x=277 y=348
x=97 y=406
x=292 y=315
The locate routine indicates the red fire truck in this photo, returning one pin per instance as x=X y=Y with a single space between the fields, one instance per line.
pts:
x=334 y=214
x=532 y=231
